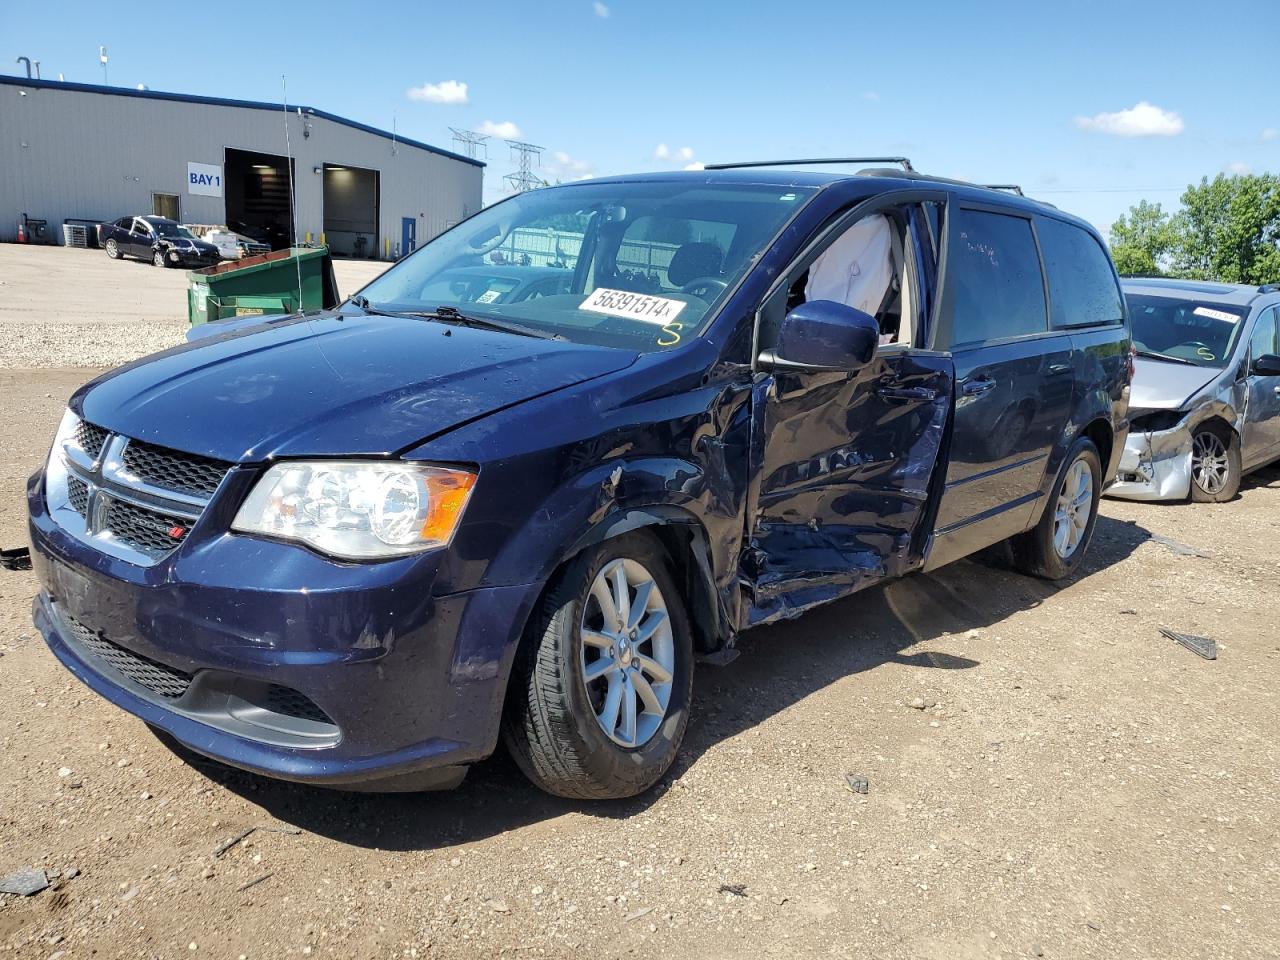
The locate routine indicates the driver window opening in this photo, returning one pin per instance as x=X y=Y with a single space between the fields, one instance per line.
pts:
x=871 y=267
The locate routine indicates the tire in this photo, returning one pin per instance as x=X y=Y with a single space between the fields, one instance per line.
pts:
x=1215 y=464
x=113 y=249
x=552 y=721
x=157 y=259
x=1055 y=547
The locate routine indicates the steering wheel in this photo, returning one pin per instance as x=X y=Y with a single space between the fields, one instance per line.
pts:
x=702 y=286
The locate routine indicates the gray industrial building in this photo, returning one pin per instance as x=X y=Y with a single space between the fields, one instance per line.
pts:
x=82 y=152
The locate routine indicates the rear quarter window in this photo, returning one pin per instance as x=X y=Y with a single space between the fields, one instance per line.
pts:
x=1082 y=285
x=995 y=286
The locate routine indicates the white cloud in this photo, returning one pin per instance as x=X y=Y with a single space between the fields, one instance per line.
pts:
x=686 y=153
x=447 y=91
x=1141 y=120
x=696 y=165
x=1239 y=169
x=601 y=10
x=563 y=167
x=871 y=96
x=506 y=130
x=662 y=152
x=1271 y=133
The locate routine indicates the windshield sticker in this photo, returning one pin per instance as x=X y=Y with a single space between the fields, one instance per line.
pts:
x=489 y=296
x=634 y=306
x=1215 y=314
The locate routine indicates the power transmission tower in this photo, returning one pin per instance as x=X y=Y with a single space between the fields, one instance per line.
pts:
x=525 y=155
x=470 y=142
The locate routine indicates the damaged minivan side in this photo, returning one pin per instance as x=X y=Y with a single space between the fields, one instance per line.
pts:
x=521 y=482
x=1205 y=408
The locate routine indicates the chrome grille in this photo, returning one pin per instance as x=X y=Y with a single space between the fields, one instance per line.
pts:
x=91 y=439
x=161 y=680
x=78 y=495
x=133 y=500
x=181 y=472
x=148 y=531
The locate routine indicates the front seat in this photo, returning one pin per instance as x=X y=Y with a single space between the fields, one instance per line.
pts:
x=693 y=261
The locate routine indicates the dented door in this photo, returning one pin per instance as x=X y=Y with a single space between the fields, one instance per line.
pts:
x=844 y=467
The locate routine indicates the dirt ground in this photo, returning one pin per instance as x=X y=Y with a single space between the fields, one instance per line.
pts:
x=1080 y=788
x=64 y=307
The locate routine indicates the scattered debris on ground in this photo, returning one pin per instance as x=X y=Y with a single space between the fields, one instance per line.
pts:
x=1202 y=646
x=24 y=883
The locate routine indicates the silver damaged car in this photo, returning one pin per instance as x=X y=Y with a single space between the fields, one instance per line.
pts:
x=1205 y=403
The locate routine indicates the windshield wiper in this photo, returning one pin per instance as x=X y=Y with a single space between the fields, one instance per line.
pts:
x=446 y=314
x=449 y=314
x=1164 y=356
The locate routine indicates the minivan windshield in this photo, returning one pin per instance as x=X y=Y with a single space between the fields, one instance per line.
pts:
x=1184 y=331
x=640 y=265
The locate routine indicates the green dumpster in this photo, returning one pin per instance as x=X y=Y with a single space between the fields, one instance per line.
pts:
x=264 y=284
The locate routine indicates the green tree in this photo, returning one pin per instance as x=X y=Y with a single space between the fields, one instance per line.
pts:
x=1143 y=239
x=1229 y=230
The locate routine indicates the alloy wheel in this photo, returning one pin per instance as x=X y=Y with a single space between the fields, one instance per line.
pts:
x=1210 y=466
x=1073 y=509
x=628 y=653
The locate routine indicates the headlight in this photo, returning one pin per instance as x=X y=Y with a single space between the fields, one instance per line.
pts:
x=358 y=510
x=66 y=431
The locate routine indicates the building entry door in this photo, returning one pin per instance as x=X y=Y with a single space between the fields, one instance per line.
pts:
x=408 y=235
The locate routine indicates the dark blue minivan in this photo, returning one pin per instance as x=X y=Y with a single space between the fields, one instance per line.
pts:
x=524 y=479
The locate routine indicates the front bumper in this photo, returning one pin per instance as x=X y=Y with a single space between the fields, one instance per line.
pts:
x=394 y=683
x=1155 y=466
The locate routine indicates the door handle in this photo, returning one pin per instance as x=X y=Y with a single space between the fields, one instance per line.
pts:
x=1276 y=390
x=975 y=388
x=904 y=394
x=1056 y=369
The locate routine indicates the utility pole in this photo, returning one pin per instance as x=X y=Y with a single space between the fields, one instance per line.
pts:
x=525 y=155
x=469 y=142
x=102 y=59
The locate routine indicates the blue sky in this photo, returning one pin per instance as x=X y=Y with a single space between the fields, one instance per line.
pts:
x=1030 y=92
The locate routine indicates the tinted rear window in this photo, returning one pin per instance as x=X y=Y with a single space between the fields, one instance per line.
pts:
x=993 y=271
x=1082 y=286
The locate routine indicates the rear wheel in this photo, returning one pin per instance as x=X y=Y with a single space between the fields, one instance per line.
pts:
x=113 y=250
x=1215 y=464
x=600 y=695
x=1056 y=546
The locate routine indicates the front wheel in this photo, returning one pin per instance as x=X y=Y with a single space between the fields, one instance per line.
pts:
x=1215 y=464
x=158 y=258
x=600 y=696
x=1056 y=546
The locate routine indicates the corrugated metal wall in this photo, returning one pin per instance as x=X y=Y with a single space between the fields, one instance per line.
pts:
x=68 y=153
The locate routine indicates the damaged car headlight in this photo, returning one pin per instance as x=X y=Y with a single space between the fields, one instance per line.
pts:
x=1154 y=421
x=358 y=510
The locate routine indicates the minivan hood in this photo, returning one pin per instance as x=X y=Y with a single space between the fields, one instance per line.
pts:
x=332 y=385
x=1158 y=385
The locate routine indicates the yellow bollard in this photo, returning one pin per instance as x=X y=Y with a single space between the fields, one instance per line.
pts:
x=308 y=236
x=386 y=248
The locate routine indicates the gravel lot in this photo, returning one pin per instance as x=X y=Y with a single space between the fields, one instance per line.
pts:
x=63 y=307
x=1069 y=784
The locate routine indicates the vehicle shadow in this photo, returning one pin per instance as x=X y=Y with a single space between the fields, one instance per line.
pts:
x=1261 y=478
x=920 y=621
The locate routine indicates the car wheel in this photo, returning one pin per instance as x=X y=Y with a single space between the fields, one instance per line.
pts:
x=158 y=258
x=1056 y=546
x=113 y=250
x=599 y=699
x=1215 y=464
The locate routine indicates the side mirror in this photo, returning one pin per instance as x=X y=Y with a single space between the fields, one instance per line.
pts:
x=824 y=335
x=1267 y=365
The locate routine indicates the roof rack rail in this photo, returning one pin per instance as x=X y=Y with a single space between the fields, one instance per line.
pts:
x=812 y=161
x=1269 y=288
x=1007 y=187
